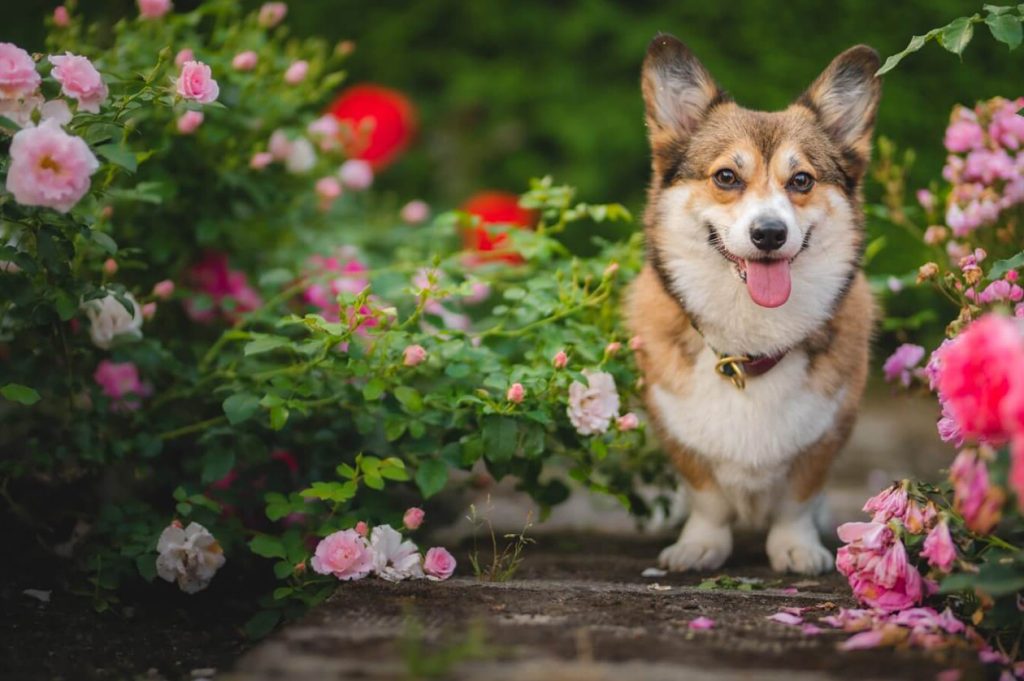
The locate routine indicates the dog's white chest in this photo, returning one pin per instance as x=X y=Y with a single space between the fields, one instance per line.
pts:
x=749 y=436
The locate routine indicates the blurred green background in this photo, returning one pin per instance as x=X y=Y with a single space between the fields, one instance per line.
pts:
x=509 y=89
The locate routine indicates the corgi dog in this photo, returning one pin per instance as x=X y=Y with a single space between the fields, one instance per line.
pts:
x=752 y=311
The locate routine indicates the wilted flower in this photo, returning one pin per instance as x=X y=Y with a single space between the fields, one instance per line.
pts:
x=190 y=556
x=343 y=554
x=927 y=271
x=413 y=518
x=153 y=9
x=899 y=364
x=979 y=502
x=939 y=548
x=593 y=406
x=438 y=564
x=196 y=82
x=889 y=503
x=189 y=122
x=49 y=167
x=79 y=80
x=876 y=564
x=393 y=558
x=109 y=320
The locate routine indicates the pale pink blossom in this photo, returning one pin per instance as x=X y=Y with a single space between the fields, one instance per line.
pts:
x=935 y=234
x=356 y=174
x=415 y=212
x=120 y=382
x=393 y=558
x=701 y=624
x=413 y=518
x=189 y=122
x=18 y=75
x=189 y=556
x=612 y=348
x=964 y=133
x=515 y=393
x=479 y=291
x=326 y=131
x=279 y=145
x=61 y=17
x=939 y=548
x=343 y=554
x=629 y=421
x=899 y=365
x=296 y=72
x=926 y=199
x=195 y=82
x=272 y=13
x=110 y=321
x=328 y=189
x=261 y=160
x=79 y=80
x=245 y=61
x=49 y=167
x=148 y=310
x=560 y=359
x=593 y=406
x=889 y=503
x=163 y=289
x=413 y=355
x=301 y=156
x=438 y=564
x=153 y=9
x=184 y=55
x=974 y=497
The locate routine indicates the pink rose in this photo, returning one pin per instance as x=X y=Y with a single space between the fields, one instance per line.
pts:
x=110 y=267
x=361 y=529
x=61 y=18
x=79 y=80
x=189 y=122
x=876 y=564
x=163 y=289
x=939 y=548
x=49 y=167
x=976 y=371
x=121 y=383
x=592 y=406
x=415 y=212
x=279 y=145
x=272 y=13
x=560 y=359
x=328 y=189
x=261 y=160
x=413 y=355
x=296 y=72
x=245 y=61
x=438 y=564
x=149 y=310
x=18 y=75
x=899 y=364
x=629 y=421
x=229 y=290
x=356 y=174
x=516 y=393
x=612 y=348
x=926 y=199
x=887 y=504
x=196 y=83
x=964 y=134
x=979 y=502
x=413 y=518
x=183 y=56
x=153 y=9
x=343 y=554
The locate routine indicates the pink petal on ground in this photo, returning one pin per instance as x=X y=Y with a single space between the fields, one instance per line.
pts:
x=794 y=611
x=949 y=675
x=787 y=618
x=811 y=630
x=790 y=590
x=863 y=641
x=702 y=623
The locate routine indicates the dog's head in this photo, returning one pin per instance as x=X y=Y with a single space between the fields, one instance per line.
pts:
x=754 y=219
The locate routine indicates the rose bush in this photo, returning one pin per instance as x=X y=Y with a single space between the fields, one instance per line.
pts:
x=203 y=307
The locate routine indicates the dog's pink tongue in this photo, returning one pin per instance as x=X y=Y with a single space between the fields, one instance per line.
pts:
x=768 y=282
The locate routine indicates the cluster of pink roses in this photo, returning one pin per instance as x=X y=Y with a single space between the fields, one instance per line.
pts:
x=358 y=552
x=228 y=291
x=986 y=163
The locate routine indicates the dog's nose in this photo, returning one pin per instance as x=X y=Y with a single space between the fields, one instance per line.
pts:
x=768 y=234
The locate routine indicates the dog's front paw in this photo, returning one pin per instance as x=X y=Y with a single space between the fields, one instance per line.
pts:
x=799 y=552
x=706 y=550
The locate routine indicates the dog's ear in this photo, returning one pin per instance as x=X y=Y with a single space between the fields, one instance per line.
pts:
x=678 y=90
x=845 y=98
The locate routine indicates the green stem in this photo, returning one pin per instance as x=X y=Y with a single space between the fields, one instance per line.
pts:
x=193 y=428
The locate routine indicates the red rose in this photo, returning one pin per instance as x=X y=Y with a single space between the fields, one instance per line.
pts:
x=495 y=208
x=380 y=123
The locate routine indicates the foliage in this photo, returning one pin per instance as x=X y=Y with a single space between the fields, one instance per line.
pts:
x=504 y=562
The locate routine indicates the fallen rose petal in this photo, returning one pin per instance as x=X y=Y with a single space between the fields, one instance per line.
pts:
x=949 y=675
x=701 y=624
x=863 y=640
x=811 y=630
x=786 y=618
x=790 y=590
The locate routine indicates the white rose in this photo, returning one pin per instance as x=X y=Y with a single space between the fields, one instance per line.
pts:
x=190 y=556
x=109 y=320
x=394 y=559
x=592 y=407
x=301 y=157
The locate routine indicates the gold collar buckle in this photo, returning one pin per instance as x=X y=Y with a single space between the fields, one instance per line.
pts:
x=730 y=367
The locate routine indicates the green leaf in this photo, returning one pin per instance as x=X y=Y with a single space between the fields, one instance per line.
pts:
x=240 y=407
x=1001 y=267
x=997 y=9
x=265 y=344
x=346 y=471
x=331 y=491
x=283 y=569
x=373 y=480
x=22 y=394
x=217 y=464
x=499 y=436
x=282 y=592
x=1006 y=29
x=262 y=623
x=118 y=155
x=374 y=389
x=956 y=34
x=410 y=398
x=431 y=477
x=278 y=417
x=267 y=546
x=994 y=579
x=915 y=44
x=146 y=565
x=104 y=241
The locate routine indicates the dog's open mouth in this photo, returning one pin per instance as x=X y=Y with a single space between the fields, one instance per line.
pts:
x=767 y=279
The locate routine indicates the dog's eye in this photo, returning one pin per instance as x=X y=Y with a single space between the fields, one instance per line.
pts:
x=727 y=179
x=801 y=182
